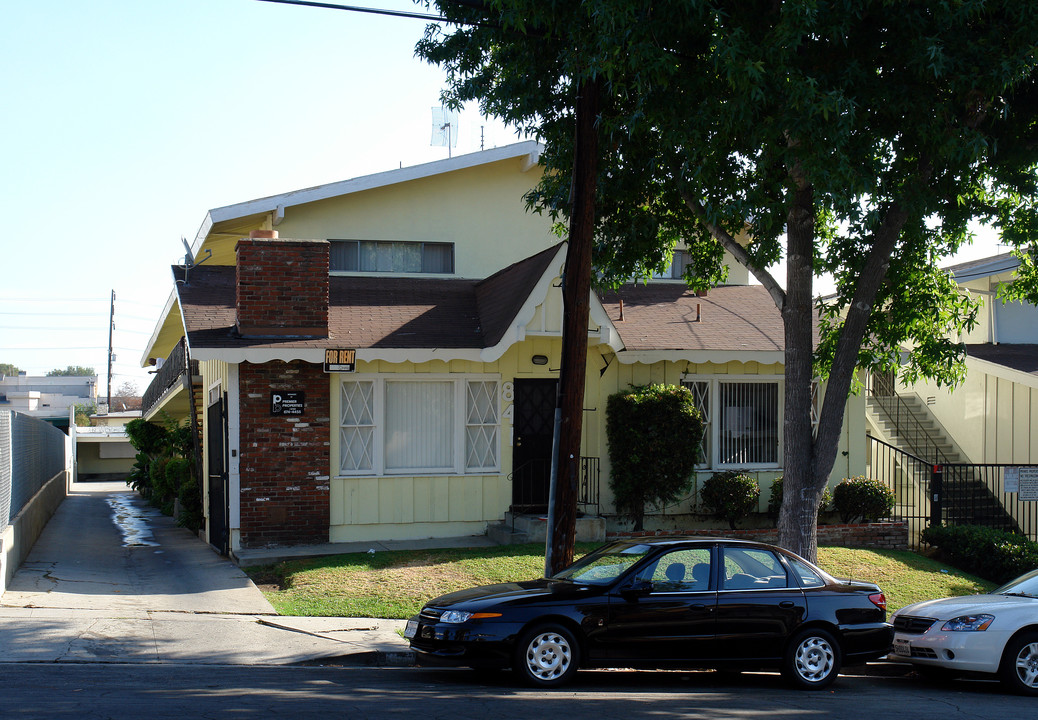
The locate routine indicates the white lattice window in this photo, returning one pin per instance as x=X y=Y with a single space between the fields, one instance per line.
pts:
x=701 y=397
x=357 y=427
x=426 y=424
x=481 y=426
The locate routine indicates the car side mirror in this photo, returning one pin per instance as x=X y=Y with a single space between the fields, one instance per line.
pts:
x=637 y=589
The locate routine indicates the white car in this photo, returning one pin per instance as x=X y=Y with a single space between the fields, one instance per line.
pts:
x=995 y=634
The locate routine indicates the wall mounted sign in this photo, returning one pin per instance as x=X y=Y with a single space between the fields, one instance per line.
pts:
x=287 y=402
x=344 y=360
x=1023 y=481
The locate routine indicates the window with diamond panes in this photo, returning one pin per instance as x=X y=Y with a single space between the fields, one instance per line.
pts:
x=701 y=397
x=357 y=427
x=481 y=427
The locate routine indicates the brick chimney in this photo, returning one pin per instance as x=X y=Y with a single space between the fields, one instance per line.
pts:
x=281 y=286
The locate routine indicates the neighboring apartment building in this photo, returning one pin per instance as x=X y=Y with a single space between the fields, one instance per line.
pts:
x=47 y=398
x=993 y=416
x=102 y=448
x=378 y=359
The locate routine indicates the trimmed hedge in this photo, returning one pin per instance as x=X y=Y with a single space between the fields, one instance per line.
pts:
x=730 y=495
x=862 y=497
x=654 y=433
x=996 y=555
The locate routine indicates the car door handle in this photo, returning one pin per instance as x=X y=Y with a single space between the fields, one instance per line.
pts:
x=699 y=606
x=787 y=604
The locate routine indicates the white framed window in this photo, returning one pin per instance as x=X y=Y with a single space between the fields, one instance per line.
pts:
x=676 y=269
x=395 y=256
x=742 y=421
x=419 y=425
x=481 y=426
x=357 y=426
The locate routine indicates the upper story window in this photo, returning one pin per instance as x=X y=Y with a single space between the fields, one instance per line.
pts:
x=677 y=267
x=377 y=256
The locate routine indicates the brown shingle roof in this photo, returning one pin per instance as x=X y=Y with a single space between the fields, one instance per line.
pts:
x=1022 y=357
x=374 y=312
x=662 y=316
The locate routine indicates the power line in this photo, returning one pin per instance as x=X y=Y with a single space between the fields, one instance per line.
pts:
x=352 y=8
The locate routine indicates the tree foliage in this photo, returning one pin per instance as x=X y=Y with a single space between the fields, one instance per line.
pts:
x=72 y=371
x=9 y=370
x=859 y=138
x=654 y=434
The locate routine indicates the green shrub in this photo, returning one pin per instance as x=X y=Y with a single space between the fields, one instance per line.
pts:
x=654 y=432
x=775 y=501
x=730 y=495
x=862 y=497
x=996 y=555
x=164 y=471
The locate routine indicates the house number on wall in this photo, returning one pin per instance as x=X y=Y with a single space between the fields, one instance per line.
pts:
x=508 y=397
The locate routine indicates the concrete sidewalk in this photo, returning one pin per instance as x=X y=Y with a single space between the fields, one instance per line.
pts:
x=111 y=580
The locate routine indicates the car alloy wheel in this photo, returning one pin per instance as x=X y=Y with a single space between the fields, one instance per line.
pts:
x=1020 y=664
x=812 y=661
x=547 y=656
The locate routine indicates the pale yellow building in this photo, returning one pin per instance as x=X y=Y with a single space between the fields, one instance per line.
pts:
x=377 y=359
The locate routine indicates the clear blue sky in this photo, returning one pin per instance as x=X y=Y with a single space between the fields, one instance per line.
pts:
x=124 y=121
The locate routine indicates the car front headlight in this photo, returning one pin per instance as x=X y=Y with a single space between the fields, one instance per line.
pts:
x=968 y=623
x=454 y=617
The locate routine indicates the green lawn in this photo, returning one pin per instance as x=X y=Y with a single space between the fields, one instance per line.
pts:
x=395 y=584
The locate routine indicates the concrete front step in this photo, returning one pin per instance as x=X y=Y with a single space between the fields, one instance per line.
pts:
x=533 y=528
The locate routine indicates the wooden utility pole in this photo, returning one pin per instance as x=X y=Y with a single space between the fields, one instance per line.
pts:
x=576 y=291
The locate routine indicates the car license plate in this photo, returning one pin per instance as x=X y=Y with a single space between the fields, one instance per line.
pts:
x=903 y=648
x=411 y=629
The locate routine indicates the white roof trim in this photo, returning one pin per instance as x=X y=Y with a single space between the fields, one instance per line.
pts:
x=764 y=357
x=277 y=203
x=316 y=355
x=158 y=327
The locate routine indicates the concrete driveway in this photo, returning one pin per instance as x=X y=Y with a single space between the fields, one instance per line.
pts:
x=107 y=549
x=113 y=580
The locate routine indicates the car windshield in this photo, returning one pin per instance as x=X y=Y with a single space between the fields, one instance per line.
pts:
x=1025 y=585
x=604 y=565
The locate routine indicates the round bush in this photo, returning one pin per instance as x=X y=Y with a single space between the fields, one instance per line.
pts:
x=862 y=497
x=730 y=495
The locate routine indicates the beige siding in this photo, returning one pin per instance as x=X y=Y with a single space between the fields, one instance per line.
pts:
x=992 y=417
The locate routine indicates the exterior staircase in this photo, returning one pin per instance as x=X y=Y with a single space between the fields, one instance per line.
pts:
x=905 y=422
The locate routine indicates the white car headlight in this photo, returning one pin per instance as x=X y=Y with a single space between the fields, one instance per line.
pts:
x=455 y=616
x=968 y=623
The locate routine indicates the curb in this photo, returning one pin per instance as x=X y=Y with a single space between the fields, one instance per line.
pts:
x=366 y=658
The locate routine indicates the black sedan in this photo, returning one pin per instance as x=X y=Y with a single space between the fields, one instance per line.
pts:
x=672 y=603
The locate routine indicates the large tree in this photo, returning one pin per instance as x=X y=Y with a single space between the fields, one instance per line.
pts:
x=857 y=137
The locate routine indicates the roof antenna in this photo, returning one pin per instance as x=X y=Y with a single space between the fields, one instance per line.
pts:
x=444 y=128
x=189 y=259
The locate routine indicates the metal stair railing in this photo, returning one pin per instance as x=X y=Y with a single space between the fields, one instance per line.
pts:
x=908 y=427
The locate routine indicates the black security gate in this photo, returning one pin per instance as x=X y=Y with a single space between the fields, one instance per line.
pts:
x=216 y=454
x=532 y=444
x=932 y=492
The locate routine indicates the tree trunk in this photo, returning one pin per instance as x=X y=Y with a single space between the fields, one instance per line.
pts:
x=797 y=524
x=576 y=290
